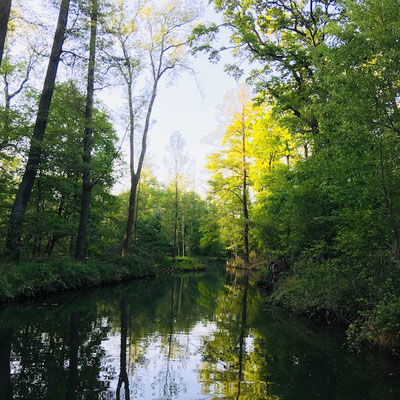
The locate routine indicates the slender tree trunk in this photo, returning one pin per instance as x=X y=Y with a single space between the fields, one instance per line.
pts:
x=80 y=252
x=54 y=237
x=287 y=154
x=244 y=197
x=135 y=180
x=131 y=215
x=192 y=227
x=136 y=212
x=5 y=8
x=28 y=179
x=176 y=250
x=39 y=209
x=130 y=223
x=183 y=230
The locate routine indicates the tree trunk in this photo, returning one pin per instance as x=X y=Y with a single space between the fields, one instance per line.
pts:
x=136 y=175
x=80 y=253
x=176 y=250
x=54 y=238
x=131 y=215
x=130 y=223
x=136 y=212
x=244 y=197
x=5 y=8
x=28 y=179
x=183 y=230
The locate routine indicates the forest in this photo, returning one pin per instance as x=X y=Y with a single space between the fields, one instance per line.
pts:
x=304 y=184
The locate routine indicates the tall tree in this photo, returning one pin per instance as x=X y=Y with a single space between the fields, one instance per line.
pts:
x=179 y=158
x=80 y=252
x=167 y=29
x=28 y=179
x=231 y=165
x=286 y=39
x=5 y=8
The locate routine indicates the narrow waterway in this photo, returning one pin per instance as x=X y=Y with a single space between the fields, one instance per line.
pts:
x=197 y=336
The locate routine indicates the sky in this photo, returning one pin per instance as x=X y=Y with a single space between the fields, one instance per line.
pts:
x=188 y=106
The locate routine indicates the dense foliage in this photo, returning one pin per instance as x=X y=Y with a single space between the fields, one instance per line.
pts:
x=325 y=199
x=305 y=184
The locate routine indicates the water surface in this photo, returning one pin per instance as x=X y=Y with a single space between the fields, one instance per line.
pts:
x=198 y=336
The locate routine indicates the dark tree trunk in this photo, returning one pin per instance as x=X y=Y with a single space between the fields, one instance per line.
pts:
x=28 y=179
x=80 y=251
x=54 y=238
x=5 y=8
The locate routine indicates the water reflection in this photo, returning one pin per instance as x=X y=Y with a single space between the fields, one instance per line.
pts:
x=123 y=374
x=189 y=337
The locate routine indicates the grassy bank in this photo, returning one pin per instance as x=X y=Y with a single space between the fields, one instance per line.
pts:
x=34 y=278
x=364 y=297
x=180 y=264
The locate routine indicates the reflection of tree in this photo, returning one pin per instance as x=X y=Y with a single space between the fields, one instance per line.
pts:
x=123 y=376
x=5 y=373
x=230 y=365
x=169 y=379
x=242 y=332
x=72 y=384
x=169 y=387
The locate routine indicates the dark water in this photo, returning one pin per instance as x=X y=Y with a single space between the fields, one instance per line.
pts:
x=203 y=336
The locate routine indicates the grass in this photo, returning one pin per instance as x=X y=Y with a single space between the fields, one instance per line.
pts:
x=180 y=264
x=30 y=279
x=35 y=278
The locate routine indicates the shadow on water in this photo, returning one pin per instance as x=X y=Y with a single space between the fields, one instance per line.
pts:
x=202 y=336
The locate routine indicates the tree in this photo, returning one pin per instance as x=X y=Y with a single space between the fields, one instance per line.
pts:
x=285 y=39
x=28 y=179
x=52 y=215
x=87 y=185
x=230 y=166
x=179 y=158
x=5 y=8
x=166 y=29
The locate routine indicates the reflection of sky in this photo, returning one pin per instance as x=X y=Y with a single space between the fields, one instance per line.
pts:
x=156 y=377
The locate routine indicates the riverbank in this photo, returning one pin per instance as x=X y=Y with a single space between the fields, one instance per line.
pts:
x=366 y=302
x=34 y=278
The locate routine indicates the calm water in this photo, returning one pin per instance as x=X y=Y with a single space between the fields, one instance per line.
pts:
x=203 y=336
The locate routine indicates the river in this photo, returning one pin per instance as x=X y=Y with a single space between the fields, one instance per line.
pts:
x=197 y=336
